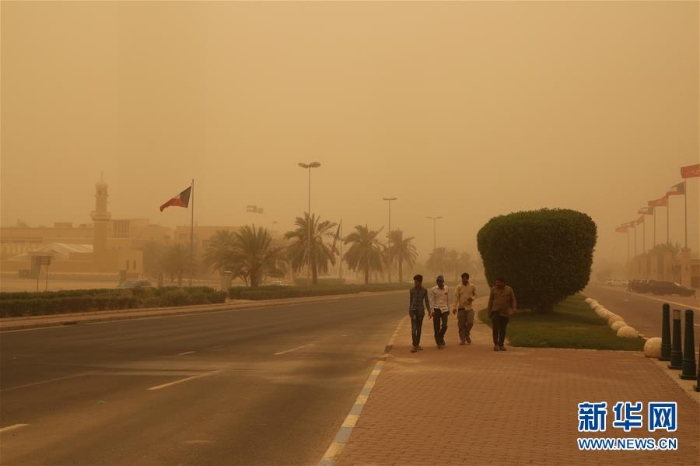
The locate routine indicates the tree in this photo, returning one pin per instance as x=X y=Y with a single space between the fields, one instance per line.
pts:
x=545 y=255
x=401 y=251
x=153 y=258
x=220 y=251
x=255 y=256
x=438 y=260
x=176 y=261
x=321 y=253
x=365 y=252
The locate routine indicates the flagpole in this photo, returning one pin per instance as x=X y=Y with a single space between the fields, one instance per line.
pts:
x=628 y=247
x=685 y=200
x=654 y=214
x=635 y=241
x=192 y=234
x=644 y=236
x=668 y=225
x=340 y=254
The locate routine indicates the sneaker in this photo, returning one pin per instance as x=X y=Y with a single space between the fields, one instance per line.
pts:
x=469 y=341
x=462 y=342
x=420 y=348
x=496 y=348
x=414 y=350
x=502 y=348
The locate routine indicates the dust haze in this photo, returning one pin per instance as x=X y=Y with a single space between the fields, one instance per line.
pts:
x=464 y=110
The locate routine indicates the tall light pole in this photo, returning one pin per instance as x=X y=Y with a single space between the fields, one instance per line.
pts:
x=309 y=166
x=389 y=233
x=434 y=219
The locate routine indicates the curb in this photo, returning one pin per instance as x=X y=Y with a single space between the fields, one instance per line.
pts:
x=343 y=435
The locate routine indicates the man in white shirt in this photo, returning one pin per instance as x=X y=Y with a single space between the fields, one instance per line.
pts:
x=439 y=299
x=464 y=297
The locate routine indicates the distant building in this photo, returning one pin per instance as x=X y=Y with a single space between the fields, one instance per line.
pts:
x=107 y=246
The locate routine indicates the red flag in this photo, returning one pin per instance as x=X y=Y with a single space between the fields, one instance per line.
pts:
x=640 y=220
x=622 y=229
x=660 y=202
x=646 y=210
x=182 y=200
x=690 y=171
x=677 y=189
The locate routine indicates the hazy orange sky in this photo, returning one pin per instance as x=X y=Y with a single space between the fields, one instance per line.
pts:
x=464 y=110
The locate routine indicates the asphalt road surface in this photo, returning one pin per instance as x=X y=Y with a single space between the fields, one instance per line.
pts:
x=263 y=386
x=644 y=311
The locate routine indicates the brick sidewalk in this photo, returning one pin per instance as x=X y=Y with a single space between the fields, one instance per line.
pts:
x=469 y=405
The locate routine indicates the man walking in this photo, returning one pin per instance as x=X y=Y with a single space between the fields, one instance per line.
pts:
x=464 y=297
x=501 y=306
x=418 y=297
x=439 y=298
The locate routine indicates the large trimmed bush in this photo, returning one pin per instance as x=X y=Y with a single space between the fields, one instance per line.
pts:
x=545 y=255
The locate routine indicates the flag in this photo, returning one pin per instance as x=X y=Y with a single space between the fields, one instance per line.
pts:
x=640 y=220
x=622 y=229
x=690 y=171
x=182 y=200
x=335 y=239
x=677 y=189
x=254 y=209
x=660 y=202
x=646 y=210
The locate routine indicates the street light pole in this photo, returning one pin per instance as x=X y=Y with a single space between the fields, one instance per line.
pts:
x=389 y=232
x=434 y=219
x=309 y=166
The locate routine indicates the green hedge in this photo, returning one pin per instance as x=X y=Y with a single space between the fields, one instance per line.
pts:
x=281 y=292
x=43 y=303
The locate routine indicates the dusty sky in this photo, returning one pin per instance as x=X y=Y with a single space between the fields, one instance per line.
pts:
x=460 y=110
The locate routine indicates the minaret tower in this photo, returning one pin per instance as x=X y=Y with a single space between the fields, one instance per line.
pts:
x=100 y=217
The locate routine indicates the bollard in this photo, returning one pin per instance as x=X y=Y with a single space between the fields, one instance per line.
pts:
x=688 y=365
x=676 y=354
x=697 y=382
x=666 y=333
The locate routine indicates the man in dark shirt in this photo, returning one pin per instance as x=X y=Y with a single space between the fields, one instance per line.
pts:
x=418 y=303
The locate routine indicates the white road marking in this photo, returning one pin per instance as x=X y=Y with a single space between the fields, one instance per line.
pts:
x=293 y=349
x=58 y=379
x=158 y=387
x=9 y=428
x=186 y=352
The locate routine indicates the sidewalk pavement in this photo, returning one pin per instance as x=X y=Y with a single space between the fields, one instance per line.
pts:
x=470 y=405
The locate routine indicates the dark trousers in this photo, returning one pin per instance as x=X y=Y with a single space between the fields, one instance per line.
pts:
x=416 y=326
x=498 y=324
x=440 y=325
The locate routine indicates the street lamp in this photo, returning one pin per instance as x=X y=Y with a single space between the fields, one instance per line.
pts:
x=389 y=233
x=434 y=219
x=309 y=166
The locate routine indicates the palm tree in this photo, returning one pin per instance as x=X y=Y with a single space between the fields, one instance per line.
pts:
x=220 y=251
x=402 y=250
x=365 y=252
x=255 y=255
x=321 y=254
x=438 y=261
x=452 y=262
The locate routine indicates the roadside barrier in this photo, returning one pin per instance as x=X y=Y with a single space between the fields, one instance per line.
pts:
x=666 y=333
x=676 y=354
x=688 y=365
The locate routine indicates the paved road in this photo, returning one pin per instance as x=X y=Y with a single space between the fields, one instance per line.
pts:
x=643 y=311
x=263 y=386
